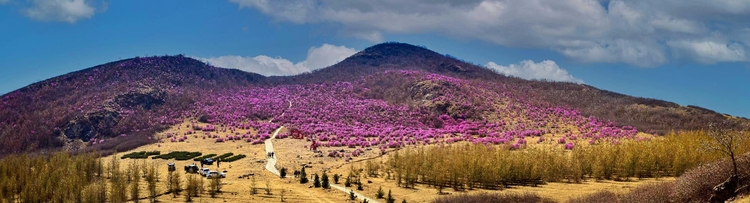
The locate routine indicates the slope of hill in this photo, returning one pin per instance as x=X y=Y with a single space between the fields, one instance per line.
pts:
x=129 y=97
x=119 y=105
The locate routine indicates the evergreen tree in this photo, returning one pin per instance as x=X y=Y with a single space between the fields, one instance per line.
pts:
x=316 y=181
x=303 y=177
x=325 y=183
x=336 y=178
x=390 y=198
x=359 y=186
x=380 y=193
x=348 y=182
x=282 y=173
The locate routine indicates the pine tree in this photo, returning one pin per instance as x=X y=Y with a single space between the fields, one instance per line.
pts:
x=325 y=183
x=359 y=186
x=303 y=177
x=282 y=173
x=316 y=181
x=380 y=193
x=336 y=178
x=348 y=182
x=390 y=198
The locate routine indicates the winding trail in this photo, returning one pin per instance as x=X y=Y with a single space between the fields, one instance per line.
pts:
x=271 y=163
x=359 y=195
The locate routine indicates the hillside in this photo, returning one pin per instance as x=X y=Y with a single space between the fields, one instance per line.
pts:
x=388 y=95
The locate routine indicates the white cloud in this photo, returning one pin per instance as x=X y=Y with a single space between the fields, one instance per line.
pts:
x=317 y=58
x=527 y=69
x=709 y=52
x=4 y=1
x=59 y=10
x=612 y=31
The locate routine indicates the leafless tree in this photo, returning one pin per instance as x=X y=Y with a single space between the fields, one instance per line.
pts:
x=726 y=140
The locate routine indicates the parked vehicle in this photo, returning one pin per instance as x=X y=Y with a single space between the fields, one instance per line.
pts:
x=171 y=167
x=192 y=168
x=203 y=171
x=215 y=174
x=207 y=161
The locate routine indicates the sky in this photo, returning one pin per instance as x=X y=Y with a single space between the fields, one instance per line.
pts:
x=692 y=52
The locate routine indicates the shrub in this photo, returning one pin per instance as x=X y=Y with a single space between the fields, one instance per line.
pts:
x=603 y=196
x=493 y=197
x=233 y=158
x=178 y=155
x=224 y=156
x=650 y=193
x=204 y=157
x=140 y=155
x=696 y=185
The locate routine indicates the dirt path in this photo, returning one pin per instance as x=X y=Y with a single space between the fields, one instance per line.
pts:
x=271 y=161
x=359 y=196
x=271 y=164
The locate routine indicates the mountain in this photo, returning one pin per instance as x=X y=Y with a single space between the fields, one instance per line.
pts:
x=391 y=88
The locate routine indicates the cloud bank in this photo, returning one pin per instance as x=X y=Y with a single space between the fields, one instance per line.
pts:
x=68 y=11
x=644 y=33
x=527 y=69
x=317 y=58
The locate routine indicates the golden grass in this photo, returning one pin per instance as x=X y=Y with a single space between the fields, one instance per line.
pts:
x=291 y=153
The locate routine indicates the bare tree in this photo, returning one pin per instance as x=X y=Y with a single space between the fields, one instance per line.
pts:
x=726 y=140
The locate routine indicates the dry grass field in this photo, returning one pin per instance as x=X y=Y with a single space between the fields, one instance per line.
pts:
x=291 y=153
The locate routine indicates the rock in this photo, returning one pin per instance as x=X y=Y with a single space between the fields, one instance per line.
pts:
x=143 y=98
x=87 y=127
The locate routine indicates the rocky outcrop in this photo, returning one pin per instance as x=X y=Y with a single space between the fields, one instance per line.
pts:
x=146 y=99
x=92 y=124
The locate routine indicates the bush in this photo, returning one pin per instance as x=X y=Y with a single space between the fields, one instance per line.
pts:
x=204 y=157
x=140 y=155
x=224 y=156
x=696 y=185
x=233 y=158
x=603 y=196
x=178 y=155
x=650 y=193
x=494 y=197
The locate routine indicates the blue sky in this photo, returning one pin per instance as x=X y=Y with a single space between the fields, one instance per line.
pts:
x=692 y=52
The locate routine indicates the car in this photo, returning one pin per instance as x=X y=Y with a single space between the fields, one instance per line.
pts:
x=203 y=171
x=192 y=168
x=171 y=167
x=215 y=174
x=207 y=161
